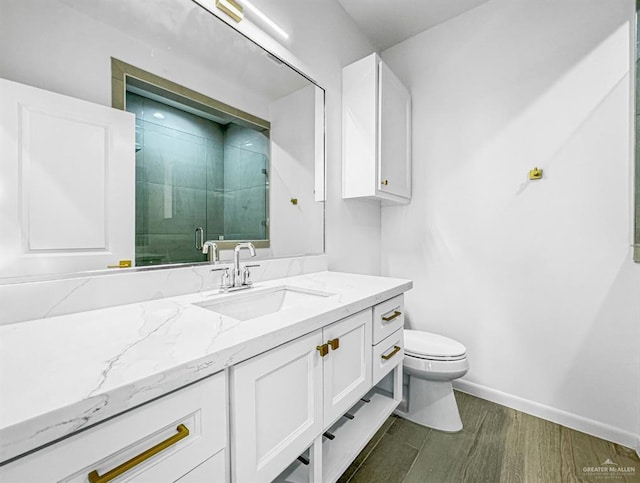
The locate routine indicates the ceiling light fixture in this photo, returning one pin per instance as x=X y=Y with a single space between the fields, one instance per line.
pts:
x=231 y=8
x=258 y=13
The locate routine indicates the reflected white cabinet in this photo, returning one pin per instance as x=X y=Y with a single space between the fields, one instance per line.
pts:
x=376 y=138
x=278 y=396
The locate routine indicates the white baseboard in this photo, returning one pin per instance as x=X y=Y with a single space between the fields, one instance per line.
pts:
x=573 y=421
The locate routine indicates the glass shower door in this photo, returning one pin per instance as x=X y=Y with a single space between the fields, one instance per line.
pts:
x=172 y=174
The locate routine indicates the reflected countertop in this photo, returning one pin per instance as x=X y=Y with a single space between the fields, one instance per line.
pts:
x=62 y=374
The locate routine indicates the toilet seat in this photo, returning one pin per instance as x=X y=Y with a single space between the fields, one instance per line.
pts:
x=434 y=347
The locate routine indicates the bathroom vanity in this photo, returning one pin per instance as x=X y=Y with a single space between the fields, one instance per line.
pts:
x=278 y=382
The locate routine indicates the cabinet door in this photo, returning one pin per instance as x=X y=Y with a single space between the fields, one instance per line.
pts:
x=67 y=182
x=276 y=408
x=394 y=150
x=347 y=369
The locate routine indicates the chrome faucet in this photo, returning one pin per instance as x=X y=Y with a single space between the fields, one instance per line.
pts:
x=239 y=277
x=210 y=249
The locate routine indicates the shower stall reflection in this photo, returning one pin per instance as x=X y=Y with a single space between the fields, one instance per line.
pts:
x=193 y=170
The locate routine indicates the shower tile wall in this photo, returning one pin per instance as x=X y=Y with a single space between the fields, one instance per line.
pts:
x=174 y=150
x=246 y=164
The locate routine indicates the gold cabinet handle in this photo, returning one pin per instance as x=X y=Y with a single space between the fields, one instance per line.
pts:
x=323 y=349
x=396 y=313
x=384 y=182
x=334 y=343
x=395 y=350
x=182 y=433
x=121 y=264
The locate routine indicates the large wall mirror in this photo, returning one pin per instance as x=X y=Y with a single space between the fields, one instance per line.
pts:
x=228 y=143
x=636 y=235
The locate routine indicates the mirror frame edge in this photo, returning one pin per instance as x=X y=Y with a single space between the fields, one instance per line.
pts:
x=635 y=165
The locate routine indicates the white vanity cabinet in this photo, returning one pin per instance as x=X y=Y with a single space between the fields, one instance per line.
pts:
x=296 y=403
x=376 y=140
x=366 y=414
x=282 y=399
x=276 y=401
x=388 y=340
x=347 y=368
x=355 y=409
x=173 y=438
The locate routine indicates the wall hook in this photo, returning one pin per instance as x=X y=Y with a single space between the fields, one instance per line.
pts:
x=535 y=173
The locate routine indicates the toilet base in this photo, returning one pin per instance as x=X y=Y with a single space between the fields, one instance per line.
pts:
x=432 y=404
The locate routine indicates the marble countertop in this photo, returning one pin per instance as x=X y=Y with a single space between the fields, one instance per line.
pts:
x=62 y=374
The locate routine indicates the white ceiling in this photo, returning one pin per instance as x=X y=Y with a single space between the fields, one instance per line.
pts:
x=388 y=22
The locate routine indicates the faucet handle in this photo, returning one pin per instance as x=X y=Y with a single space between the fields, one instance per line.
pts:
x=246 y=274
x=225 y=280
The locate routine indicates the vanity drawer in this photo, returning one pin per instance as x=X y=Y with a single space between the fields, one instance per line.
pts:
x=388 y=317
x=213 y=470
x=185 y=427
x=387 y=355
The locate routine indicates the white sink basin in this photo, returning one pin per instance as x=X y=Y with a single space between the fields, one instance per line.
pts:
x=253 y=303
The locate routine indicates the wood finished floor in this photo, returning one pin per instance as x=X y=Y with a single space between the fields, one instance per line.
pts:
x=497 y=444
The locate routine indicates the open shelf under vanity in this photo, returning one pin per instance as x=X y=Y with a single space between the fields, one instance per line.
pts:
x=351 y=435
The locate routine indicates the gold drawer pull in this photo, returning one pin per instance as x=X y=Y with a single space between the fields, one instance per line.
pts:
x=323 y=349
x=396 y=349
x=396 y=313
x=94 y=477
x=334 y=343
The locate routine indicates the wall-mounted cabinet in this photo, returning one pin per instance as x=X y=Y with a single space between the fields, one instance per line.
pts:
x=376 y=138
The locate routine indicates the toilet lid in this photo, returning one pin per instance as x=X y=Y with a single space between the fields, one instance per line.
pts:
x=427 y=345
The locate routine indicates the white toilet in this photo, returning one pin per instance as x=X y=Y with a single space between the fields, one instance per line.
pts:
x=432 y=362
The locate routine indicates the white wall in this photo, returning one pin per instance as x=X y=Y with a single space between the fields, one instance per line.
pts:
x=325 y=39
x=535 y=278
